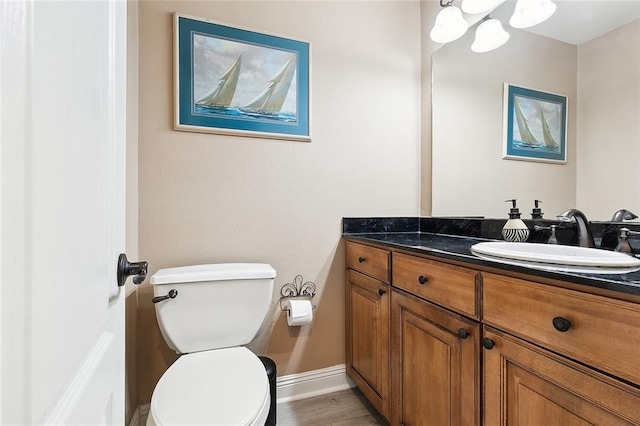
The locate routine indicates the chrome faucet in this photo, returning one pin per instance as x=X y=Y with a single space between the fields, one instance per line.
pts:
x=585 y=237
x=623 y=214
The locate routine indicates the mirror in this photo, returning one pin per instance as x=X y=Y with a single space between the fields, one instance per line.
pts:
x=598 y=72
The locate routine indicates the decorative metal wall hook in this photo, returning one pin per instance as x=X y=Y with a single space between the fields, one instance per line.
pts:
x=297 y=289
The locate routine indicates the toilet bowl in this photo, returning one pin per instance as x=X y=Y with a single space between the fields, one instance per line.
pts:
x=220 y=387
x=217 y=310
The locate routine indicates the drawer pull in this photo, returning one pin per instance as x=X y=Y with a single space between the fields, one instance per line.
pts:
x=422 y=279
x=463 y=334
x=362 y=259
x=381 y=291
x=561 y=324
x=488 y=343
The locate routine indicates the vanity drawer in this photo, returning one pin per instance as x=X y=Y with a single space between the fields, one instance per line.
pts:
x=369 y=260
x=601 y=332
x=447 y=285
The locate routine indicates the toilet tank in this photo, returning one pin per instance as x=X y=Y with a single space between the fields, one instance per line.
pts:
x=217 y=305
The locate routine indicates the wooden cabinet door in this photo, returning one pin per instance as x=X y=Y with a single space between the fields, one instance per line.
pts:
x=368 y=338
x=525 y=385
x=435 y=365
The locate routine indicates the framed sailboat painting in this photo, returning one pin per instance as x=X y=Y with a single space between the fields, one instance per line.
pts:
x=235 y=81
x=535 y=125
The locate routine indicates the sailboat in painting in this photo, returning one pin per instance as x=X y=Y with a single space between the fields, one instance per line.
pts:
x=270 y=101
x=526 y=136
x=549 y=140
x=267 y=105
x=222 y=94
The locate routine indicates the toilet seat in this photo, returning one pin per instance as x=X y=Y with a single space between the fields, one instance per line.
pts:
x=218 y=387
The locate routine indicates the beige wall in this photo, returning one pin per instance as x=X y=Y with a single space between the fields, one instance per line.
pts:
x=208 y=198
x=131 y=362
x=609 y=123
x=469 y=175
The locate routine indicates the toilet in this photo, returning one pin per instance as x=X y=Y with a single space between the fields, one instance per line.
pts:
x=215 y=310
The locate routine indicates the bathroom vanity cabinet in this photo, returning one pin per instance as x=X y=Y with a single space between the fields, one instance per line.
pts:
x=435 y=352
x=367 y=346
x=525 y=384
x=467 y=344
x=550 y=353
x=435 y=364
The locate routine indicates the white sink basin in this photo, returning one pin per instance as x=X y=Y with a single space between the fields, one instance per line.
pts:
x=557 y=257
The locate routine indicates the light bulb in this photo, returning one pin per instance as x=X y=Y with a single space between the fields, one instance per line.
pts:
x=489 y=35
x=449 y=25
x=531 y=12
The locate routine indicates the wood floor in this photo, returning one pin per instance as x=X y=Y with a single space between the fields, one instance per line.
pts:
x=344 y=408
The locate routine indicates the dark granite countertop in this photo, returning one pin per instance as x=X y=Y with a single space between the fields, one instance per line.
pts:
x=456 y=247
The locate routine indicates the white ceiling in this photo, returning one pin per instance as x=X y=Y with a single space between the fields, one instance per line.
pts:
x=578 y=21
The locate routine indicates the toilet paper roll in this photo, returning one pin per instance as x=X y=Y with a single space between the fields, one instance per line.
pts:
x=299 y=312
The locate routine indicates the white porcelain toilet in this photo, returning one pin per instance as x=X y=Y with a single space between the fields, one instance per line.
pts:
x=218 y=308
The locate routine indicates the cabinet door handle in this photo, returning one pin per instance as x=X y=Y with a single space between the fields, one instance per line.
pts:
x=463 y=334
x=561 y=324
x=422 y=279
x=488 y=343
x=362 y=259
x=381 y=291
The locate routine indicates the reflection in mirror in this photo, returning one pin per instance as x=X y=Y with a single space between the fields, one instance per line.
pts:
x=599 y=73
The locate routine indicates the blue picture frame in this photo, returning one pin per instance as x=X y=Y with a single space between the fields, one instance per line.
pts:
x=235 y=81
x=535 y=126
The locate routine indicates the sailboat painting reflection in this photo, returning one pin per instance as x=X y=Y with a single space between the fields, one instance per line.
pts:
x=239 y=82
x=535 y=125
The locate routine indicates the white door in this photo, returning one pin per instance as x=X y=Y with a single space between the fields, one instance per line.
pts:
x=62 y=134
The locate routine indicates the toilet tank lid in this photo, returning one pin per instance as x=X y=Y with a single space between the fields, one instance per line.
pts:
x=213 y=272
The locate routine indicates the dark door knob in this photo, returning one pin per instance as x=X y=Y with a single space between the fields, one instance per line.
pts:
x=126 y=268
x=463 y=334
x=422 y=279
x=488 y=343
x=362 y=259
x=381 y=291
x=561 y=324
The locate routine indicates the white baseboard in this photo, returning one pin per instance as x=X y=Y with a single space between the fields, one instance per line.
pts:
x=312 y=383
x=288 y=388
x=140 y=416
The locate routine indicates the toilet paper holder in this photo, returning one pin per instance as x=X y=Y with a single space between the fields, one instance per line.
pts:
x=298 y=289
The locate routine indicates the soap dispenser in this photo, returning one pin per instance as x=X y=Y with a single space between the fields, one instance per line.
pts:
x=538 y=225
x=515 y=230
x=536 y=213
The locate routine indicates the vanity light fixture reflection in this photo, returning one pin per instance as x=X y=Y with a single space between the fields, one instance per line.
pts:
x=489 y=36
x=531 y=12
x=474 y=7
x=450 y=25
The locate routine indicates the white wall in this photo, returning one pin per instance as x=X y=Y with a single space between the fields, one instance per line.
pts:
x=609 y=123
x=469 y=175
x=210 y=198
